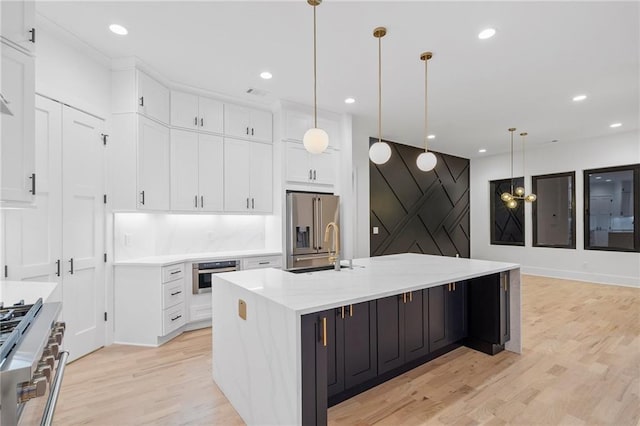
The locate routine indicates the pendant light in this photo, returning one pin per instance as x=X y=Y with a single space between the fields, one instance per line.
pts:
x=511 y=198
x=427 y=160
x=380 y=152
x=315 y=140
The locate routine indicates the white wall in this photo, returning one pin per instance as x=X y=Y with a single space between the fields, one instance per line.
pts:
x=588 y=265
x=362 y=130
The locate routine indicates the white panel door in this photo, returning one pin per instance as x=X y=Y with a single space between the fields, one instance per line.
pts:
x=35 y=234
x=153 y=165
x=153 y=98
x=298 y=164
x=184 y=110
x=211 y=172
x=262 y=125
x=18 y=18
x=17 y=144
x=184 y=170
x=324 y=171
x=236 y=175
x=261 y=169
x=83 y=291
x=211 y=115
x=237 y=121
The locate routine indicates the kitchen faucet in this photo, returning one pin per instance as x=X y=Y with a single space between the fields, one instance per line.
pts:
x=335 y=258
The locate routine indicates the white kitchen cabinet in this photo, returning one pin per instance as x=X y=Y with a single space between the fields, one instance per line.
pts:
x=136 y=91
x=196 y=171
x=261 y=262
x=306 y=168
x=248 y=176
x=248 y=123
x=196 y=112
x=18 y=23
x=149 y=303
x=18 y=179
x=296 y=123
x=139 y=163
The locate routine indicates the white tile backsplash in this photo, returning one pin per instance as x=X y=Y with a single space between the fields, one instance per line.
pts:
x=142 y=234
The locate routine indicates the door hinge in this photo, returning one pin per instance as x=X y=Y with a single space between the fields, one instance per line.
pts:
x=105 y=198
x=104 y=138
x=105 y=316
x=105 y=257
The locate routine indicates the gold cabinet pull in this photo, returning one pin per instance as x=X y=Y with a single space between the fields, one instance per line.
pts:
x=454 y=286
x=410 y=296
x=350 y=310
x=342 y=310
x=404 y=297
x=324 y=331
x=449 y=286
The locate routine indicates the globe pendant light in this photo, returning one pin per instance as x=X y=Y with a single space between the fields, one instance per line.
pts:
x=380 y=152
x=315 y=140
x=426 y=161
x=511 y=198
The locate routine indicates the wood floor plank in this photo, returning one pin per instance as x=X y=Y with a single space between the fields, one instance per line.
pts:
x=580 y=366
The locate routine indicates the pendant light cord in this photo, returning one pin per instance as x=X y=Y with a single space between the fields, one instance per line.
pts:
x=426 y=133
x=511 y=161
x=315 y=84
x=379 y=89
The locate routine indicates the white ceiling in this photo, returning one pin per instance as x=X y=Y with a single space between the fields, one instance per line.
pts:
x=543 y=54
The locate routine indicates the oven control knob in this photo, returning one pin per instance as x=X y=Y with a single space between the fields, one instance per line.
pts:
x=49 y=359
x=54 y=347
x=58 y=329
x=56 y=337
x=61 y=325
x=33 y=389
x=44 y=369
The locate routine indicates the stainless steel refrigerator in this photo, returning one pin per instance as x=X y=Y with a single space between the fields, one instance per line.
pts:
x=307 y=217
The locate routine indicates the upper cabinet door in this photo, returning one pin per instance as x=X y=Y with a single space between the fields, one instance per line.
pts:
x=211 y=172
x=184 y=110
x=323 y=168
x=236 y=175
x=184 y=170
x=296 y=124
x=18 y=23
x=153 y=165
x=153 y=98
x=332 y=128
x=237 y=121
x=298 y=166
x=18 y=130
x=261 y=169
x=211 y=116
x=261 y=125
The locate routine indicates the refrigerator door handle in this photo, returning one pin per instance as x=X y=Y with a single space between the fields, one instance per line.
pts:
x=314 y=219
x=320 y=231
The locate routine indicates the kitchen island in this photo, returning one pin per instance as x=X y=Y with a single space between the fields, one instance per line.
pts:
x=285 y=346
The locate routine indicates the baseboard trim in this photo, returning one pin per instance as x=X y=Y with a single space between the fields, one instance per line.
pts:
x=582 y=276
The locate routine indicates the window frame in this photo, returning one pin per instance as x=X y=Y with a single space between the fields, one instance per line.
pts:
x=534 y=209
x=635 y=168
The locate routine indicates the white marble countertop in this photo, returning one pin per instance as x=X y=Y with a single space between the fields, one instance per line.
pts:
x=13 y=291
x=371 y=278
x=195 y=257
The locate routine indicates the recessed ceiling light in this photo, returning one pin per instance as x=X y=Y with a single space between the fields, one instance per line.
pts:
x=482 y=150
x=579 y=98
x=266 y=75
x=485 y=34
x=431 y=137
x=349 y=100
x=614 y=125
x=598 y=177
x=607 y=180
x=118 y=29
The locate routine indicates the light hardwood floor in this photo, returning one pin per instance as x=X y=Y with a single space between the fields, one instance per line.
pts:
x=580 y=365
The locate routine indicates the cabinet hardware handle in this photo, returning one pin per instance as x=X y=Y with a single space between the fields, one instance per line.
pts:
x=178 y=317
x=342 y=309
x=310 y=174
x=201 y=122
x=449 y=286
x=32 y=39
x=454 y=286
x=175 y=272
x=404 y=297
x=263 y=263
x=252 y=131
x=57 y=268
x=195 y=121
x=71 y=262
x=247 y=203
x=141 y=100
x=33 y=184
x=177 y=292
x=142 y=200
x=202 y=201
x=350 y=310
x=410 y=296
x=253 y=203
x=324 y=331
x=314 y=175
x=6 y=271
x=247 y=130
x=196 y=197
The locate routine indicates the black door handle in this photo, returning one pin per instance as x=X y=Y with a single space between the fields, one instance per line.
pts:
x=201 y=122
x=71 y=262
x=142 y=201
x=141 y=100
x=33 y=184
x=32 y=39
x=58 y=267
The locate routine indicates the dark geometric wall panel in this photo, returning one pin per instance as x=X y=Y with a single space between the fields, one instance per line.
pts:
x=507 y=225
x=418 y=212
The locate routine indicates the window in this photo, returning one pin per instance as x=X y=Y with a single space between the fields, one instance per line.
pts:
x=611 y=207
x=554 y=214
x=507 y=225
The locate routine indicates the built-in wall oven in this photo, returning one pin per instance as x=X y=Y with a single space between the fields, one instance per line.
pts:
x=202 y=273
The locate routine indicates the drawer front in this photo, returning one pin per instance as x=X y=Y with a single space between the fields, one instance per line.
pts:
x=172 y=294
x=262 y=262
x=173 y=318
x=172 y=272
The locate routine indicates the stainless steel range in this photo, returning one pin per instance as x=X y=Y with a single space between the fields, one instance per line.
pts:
x=30 y=350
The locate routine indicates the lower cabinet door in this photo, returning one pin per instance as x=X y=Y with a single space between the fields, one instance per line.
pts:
x=390 y=313
x=314 y=368
x=360 y=354
x=457 y=312
x=438 y=317
x=335 y=352
x=416 y=325
x=505 y=308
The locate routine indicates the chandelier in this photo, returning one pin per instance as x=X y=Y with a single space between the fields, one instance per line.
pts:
x=511 y=198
